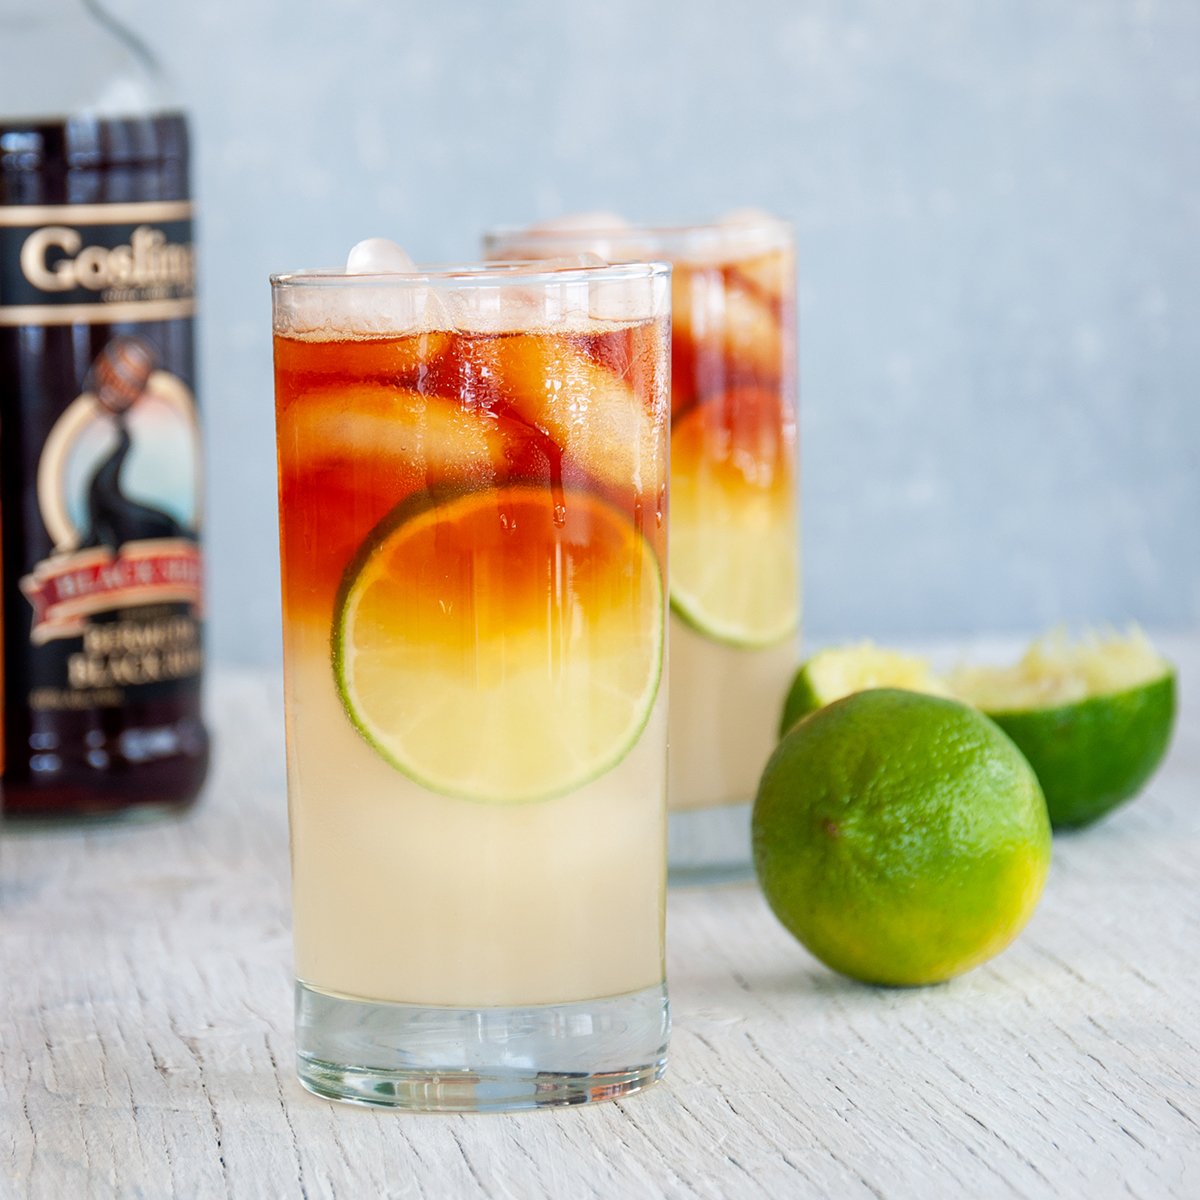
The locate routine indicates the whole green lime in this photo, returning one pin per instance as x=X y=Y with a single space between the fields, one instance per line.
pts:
x=902 y=838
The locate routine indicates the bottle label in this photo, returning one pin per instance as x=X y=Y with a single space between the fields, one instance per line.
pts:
x=93 y=263
x=118 y=489
x=116 y=603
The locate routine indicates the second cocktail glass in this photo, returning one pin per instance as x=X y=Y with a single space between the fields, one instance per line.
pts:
x=734 y=578
x=473 y=474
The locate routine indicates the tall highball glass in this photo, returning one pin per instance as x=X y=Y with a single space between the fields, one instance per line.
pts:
x=472 y=490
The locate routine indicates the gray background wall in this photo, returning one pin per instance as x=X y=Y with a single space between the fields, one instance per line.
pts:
x=998 y=204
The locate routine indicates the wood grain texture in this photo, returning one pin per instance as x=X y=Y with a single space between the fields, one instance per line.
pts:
x=146 y=1047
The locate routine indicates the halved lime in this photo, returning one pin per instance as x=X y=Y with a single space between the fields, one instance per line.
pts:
x=840 y=671
x=733 y=525
x=1094 y=718
x=501 y=645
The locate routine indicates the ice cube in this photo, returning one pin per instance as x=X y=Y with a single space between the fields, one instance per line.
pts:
x=600 y=422
x=388 y=308
x=378 y=256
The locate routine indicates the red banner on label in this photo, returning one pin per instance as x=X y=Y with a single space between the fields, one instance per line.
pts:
x=67 y=589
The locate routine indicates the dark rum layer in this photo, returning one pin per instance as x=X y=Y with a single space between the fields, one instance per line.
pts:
x=364 y=425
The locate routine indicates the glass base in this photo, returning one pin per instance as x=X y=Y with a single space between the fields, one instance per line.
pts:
x=480 y=1060
x=710 y=845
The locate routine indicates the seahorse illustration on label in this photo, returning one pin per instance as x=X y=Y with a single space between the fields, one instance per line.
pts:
x=119 y=378
x=124 y=523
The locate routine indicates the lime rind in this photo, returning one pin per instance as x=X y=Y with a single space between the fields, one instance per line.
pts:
x=732 y=635
x=1094 y=717
x=1096 y=754
x=475 y=745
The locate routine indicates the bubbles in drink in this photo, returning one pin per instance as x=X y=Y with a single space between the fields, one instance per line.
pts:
x=391 y=296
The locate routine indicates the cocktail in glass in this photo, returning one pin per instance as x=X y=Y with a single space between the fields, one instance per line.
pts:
x=734 y=577
x=473 y=472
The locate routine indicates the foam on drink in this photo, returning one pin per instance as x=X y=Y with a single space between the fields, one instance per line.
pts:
x=562 y=294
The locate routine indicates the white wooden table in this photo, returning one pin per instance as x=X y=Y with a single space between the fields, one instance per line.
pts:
x=146 y=1047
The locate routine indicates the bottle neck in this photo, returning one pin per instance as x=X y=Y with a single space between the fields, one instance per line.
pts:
x=60 y=57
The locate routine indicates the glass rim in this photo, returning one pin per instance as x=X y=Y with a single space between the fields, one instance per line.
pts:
x=693 y=234
x=501 y=273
